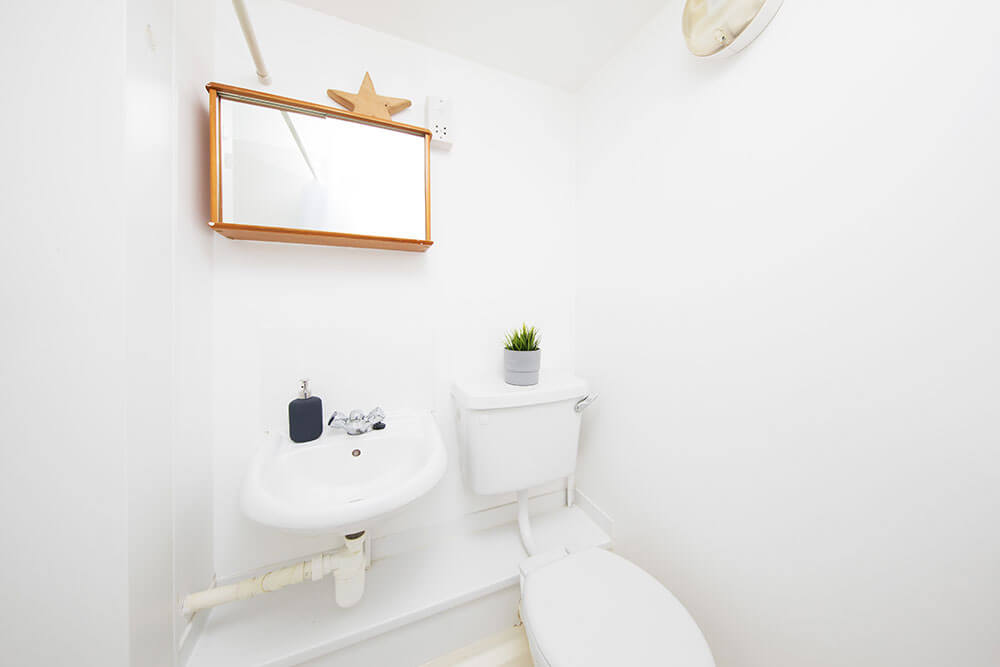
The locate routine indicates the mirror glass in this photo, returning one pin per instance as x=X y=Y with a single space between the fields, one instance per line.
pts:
x=288 y=168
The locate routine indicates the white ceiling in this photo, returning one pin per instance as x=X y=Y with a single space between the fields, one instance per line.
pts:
x=558 y=42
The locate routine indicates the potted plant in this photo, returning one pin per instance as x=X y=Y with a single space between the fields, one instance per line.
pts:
x=522 y=357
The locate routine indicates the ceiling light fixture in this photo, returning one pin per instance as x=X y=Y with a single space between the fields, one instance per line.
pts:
x=724 y=27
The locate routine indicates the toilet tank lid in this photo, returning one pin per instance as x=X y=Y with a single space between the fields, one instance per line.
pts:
x=488 y=393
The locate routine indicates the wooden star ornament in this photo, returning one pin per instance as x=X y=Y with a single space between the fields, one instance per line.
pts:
x=367 y=103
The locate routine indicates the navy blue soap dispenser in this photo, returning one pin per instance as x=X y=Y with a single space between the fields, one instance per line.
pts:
x=305 y=415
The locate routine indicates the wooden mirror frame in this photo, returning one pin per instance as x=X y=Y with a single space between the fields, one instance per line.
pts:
x=290 y=234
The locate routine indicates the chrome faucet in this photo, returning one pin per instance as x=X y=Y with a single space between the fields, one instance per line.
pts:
x=357 y=422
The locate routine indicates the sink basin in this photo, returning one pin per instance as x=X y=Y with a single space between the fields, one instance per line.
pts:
x=341 y=483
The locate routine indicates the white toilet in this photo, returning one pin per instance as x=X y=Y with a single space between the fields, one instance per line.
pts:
x=580 y=608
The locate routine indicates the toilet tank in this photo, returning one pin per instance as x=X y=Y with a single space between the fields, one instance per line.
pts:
x=514 y=438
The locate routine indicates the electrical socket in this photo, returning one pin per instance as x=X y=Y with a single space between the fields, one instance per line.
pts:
x=439 y=122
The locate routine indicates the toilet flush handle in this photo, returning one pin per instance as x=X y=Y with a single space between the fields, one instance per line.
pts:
x=584 y=402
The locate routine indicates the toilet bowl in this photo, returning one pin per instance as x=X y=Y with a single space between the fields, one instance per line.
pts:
x=595 y=608
x=582 y=608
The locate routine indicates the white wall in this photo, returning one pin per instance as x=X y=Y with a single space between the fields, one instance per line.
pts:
x=168 y=320
x=379 y=327
x=62 y=408
x=194 y=23
x=788 y=300
x=107 y=331
x=147 y=186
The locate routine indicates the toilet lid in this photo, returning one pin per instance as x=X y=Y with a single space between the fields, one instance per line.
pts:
x=595 y=608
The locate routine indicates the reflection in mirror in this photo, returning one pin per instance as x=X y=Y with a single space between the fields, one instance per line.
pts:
x=299 y=170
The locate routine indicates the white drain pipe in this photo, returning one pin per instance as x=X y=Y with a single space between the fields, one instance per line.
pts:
x=243 y=16
x=347 y=565
x=524 y=523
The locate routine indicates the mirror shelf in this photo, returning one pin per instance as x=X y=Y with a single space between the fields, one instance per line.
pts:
x=290 y=171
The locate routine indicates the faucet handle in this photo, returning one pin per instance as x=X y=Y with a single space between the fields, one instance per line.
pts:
x=375 y=416
x=357 y=422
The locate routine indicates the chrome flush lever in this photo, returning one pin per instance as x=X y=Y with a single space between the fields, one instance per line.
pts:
x=582 y=404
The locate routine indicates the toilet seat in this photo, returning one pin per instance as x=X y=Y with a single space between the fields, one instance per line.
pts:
x=593 y=607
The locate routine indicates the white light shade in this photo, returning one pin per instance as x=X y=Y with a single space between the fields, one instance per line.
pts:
x=715 y=27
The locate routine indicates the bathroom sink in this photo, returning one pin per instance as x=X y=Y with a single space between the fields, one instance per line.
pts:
x=341 y=483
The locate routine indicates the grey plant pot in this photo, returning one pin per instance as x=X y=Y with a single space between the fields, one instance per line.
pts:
x=521 y=368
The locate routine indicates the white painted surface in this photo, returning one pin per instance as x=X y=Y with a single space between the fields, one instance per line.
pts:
x=795 y=251
x=62 y=400
x=378 y=327
x=167 y=308
x=98 y=331
x=147 y=187
x=432 y=636
x=558 y=42
x=194 y=22
x=302 y=623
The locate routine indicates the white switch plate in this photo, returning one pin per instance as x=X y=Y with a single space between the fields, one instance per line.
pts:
x=439 y=122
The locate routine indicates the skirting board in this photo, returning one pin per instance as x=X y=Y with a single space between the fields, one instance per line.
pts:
x=507 y=648
x=596 y=514
x=427 y=639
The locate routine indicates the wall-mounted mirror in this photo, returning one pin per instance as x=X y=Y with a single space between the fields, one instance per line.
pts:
x=298 y=172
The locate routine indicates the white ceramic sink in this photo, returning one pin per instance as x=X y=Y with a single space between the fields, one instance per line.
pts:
x=325 y=487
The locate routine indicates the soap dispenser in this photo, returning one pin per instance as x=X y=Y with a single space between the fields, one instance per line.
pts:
x=305 y=415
